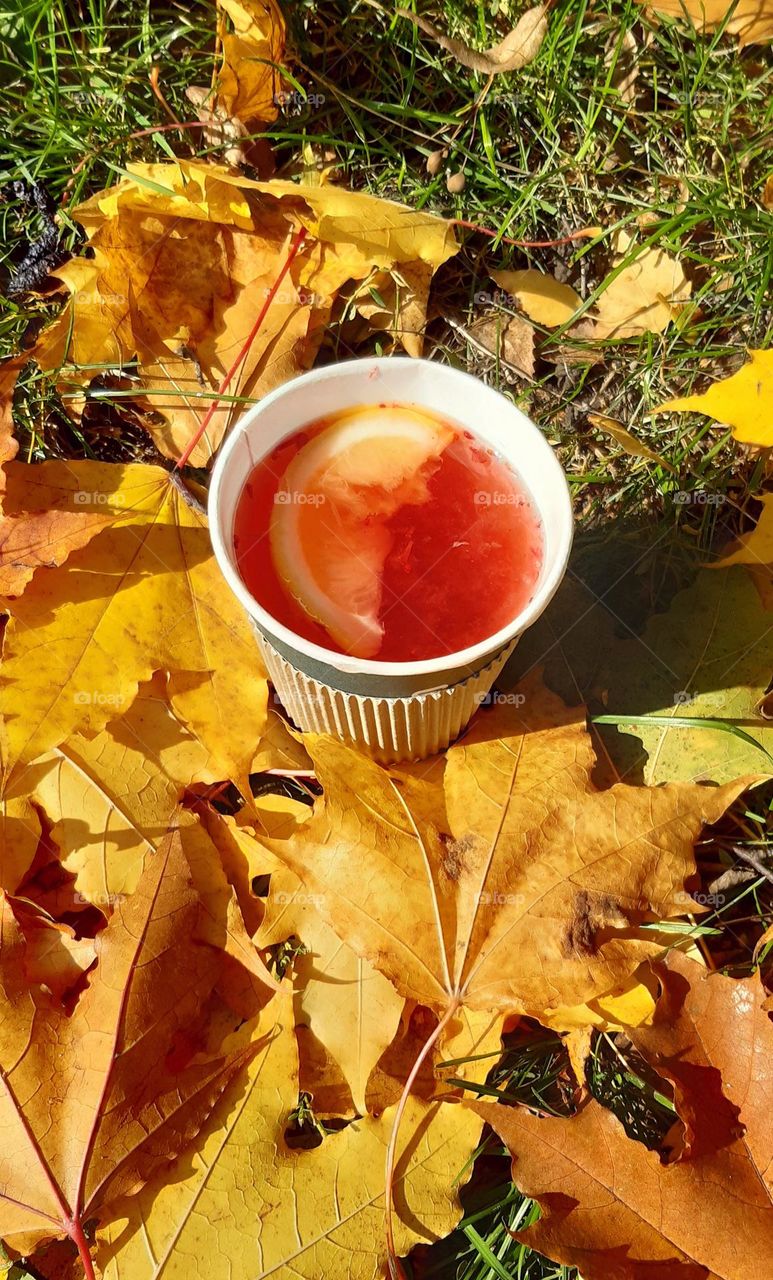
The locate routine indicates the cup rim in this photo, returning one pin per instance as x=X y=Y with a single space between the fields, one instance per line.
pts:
x=479 y=653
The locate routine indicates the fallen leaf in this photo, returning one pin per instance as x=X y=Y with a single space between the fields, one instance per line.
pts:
x=755 y=550
x=689 y=663
x=116 y=792
x=519 y=899
x=405 y=291
x=741 y=401
x=623 y=56
x=352 y=1009
x=508 y=338
x=607 y=1200
x=144 y=595
x=643 y=297
x=519 y=47
x=9 y=373
x=242 y=856
x=185 y=255
x=767 y=195
x=181 y=291
x=280 y=1211
x=220 y=129
x=97 y=1100
x=627 y=441
x=19 y=838
x=750 y=20
x=249 y=81
x=54 y=956
x=280 y=748
x=45 y=517
x=541 y=296
x=632 y=1004
x=714 y=1045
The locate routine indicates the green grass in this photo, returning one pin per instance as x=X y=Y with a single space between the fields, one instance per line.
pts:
x=549 y=150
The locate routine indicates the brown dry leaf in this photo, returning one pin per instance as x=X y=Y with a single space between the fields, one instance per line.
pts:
x=144 y=595
x=99 y=1098
x=520 y=900
x=288 y=1212
x=626 y=64
x=249 y=80
x=644 y=297
x=519 y=47
x=751 y=20
x=627 y=441
x=220 y=129
x=9 y=373
x=609 y=1202
x=767 y=195
x=541 y=296
x=508 y=338
x=405 y=291
x=713 y=1040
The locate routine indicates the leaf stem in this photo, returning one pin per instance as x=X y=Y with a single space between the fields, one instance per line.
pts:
x=395 y=1270
x=78 y=1237
x=298 y=240
x=584 y=233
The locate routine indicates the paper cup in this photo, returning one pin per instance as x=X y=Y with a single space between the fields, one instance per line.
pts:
x=392 y=710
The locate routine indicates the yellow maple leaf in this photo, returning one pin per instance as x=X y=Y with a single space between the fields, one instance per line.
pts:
x=97 y=1098
x=143 y=595
x=742 y=401
x=351 y=1008
x=520 y=900
x=116 y=792
x=185 y=257
x=288 y=1212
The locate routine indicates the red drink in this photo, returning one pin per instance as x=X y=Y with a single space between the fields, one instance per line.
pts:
x=389 y=534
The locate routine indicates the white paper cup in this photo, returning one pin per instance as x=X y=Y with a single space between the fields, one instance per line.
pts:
x=392 y=710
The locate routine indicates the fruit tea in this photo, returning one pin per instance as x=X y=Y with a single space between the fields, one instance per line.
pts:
x=388 y=533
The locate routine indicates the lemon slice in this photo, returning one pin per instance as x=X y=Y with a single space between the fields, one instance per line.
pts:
x=329 y=539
